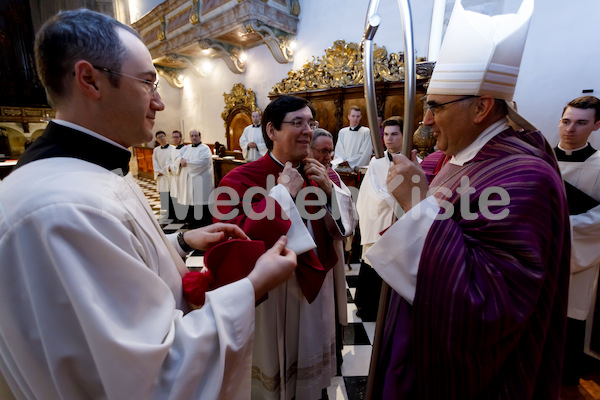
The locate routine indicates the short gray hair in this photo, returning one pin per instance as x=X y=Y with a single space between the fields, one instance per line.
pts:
x=321 y=132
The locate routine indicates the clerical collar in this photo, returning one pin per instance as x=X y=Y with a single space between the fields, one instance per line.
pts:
x=469 y=152
x=197 y=144
x=575 y=155
x=298 y=167
x=62 y=140
x=88 y=131
x=166 y=146
x=355 y=129
x=180 y=146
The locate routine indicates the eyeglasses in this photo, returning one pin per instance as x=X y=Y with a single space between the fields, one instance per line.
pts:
x=153 y=86
x=299 y=123
x=432 y=106
x=323 y=152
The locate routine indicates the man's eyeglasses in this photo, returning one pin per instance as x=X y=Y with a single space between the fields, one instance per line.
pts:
x=153 y=86
x=432 y=106
x=298 y=123
x=323 y=152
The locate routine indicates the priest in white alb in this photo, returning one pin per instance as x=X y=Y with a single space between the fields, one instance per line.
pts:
x=196 y=180
x=251 y=142
x=161 y=155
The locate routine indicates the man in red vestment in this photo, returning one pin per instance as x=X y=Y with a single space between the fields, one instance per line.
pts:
x=479 y=265
x=294 y=348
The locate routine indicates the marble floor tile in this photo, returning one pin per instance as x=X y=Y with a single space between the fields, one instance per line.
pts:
x=370 y=329
x=356 y=360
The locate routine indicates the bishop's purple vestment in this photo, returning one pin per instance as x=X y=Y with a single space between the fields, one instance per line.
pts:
x=489 y=312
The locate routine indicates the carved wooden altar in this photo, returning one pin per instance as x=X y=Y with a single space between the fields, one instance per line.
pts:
x=333 y=83
x=239 y=105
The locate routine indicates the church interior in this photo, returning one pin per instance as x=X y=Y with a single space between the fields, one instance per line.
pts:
x=220 y=60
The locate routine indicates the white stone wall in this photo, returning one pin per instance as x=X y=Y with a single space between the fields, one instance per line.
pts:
x=560 y=60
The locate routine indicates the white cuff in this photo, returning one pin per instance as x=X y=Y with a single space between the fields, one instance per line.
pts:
x=396 y=255
x=299 y=239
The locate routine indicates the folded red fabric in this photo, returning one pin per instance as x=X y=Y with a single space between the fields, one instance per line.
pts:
x=224 y=263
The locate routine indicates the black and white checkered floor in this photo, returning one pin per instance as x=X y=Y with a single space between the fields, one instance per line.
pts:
x=358 y=335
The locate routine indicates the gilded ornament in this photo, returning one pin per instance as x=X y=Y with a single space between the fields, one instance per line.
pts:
x=239 y=96
x=13 y=112
x=162 y=32
x=33 y=112
x=194 y=13
x=341 y=66
x=423 y=140
x=172 y=75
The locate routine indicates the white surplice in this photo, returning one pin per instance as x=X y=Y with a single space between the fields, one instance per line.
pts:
x=375 y=205
x=254 y=134
x=160 y=162
x=354 y=146
x=585 y=241
x=174 y=168
x=91 y=301
x=196 y=179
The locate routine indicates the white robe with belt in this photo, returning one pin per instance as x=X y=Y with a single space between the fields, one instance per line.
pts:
x=91 y=301
x=585 y=241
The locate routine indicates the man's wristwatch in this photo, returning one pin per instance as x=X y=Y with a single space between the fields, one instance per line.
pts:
x=184 y=246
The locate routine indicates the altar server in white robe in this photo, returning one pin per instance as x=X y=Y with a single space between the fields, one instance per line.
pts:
x=375 y=208
x=161 y=155
x=353 y=148
x=579 y=165
x=197 y=170
x=179 y=211
x=91 y=303
x=252 y=142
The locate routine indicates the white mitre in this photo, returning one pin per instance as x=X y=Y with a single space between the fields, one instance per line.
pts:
x=481 y=55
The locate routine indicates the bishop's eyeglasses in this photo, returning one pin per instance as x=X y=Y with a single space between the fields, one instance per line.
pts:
x=433 y=106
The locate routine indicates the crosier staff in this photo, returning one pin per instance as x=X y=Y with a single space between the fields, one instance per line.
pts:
x=410 y=82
